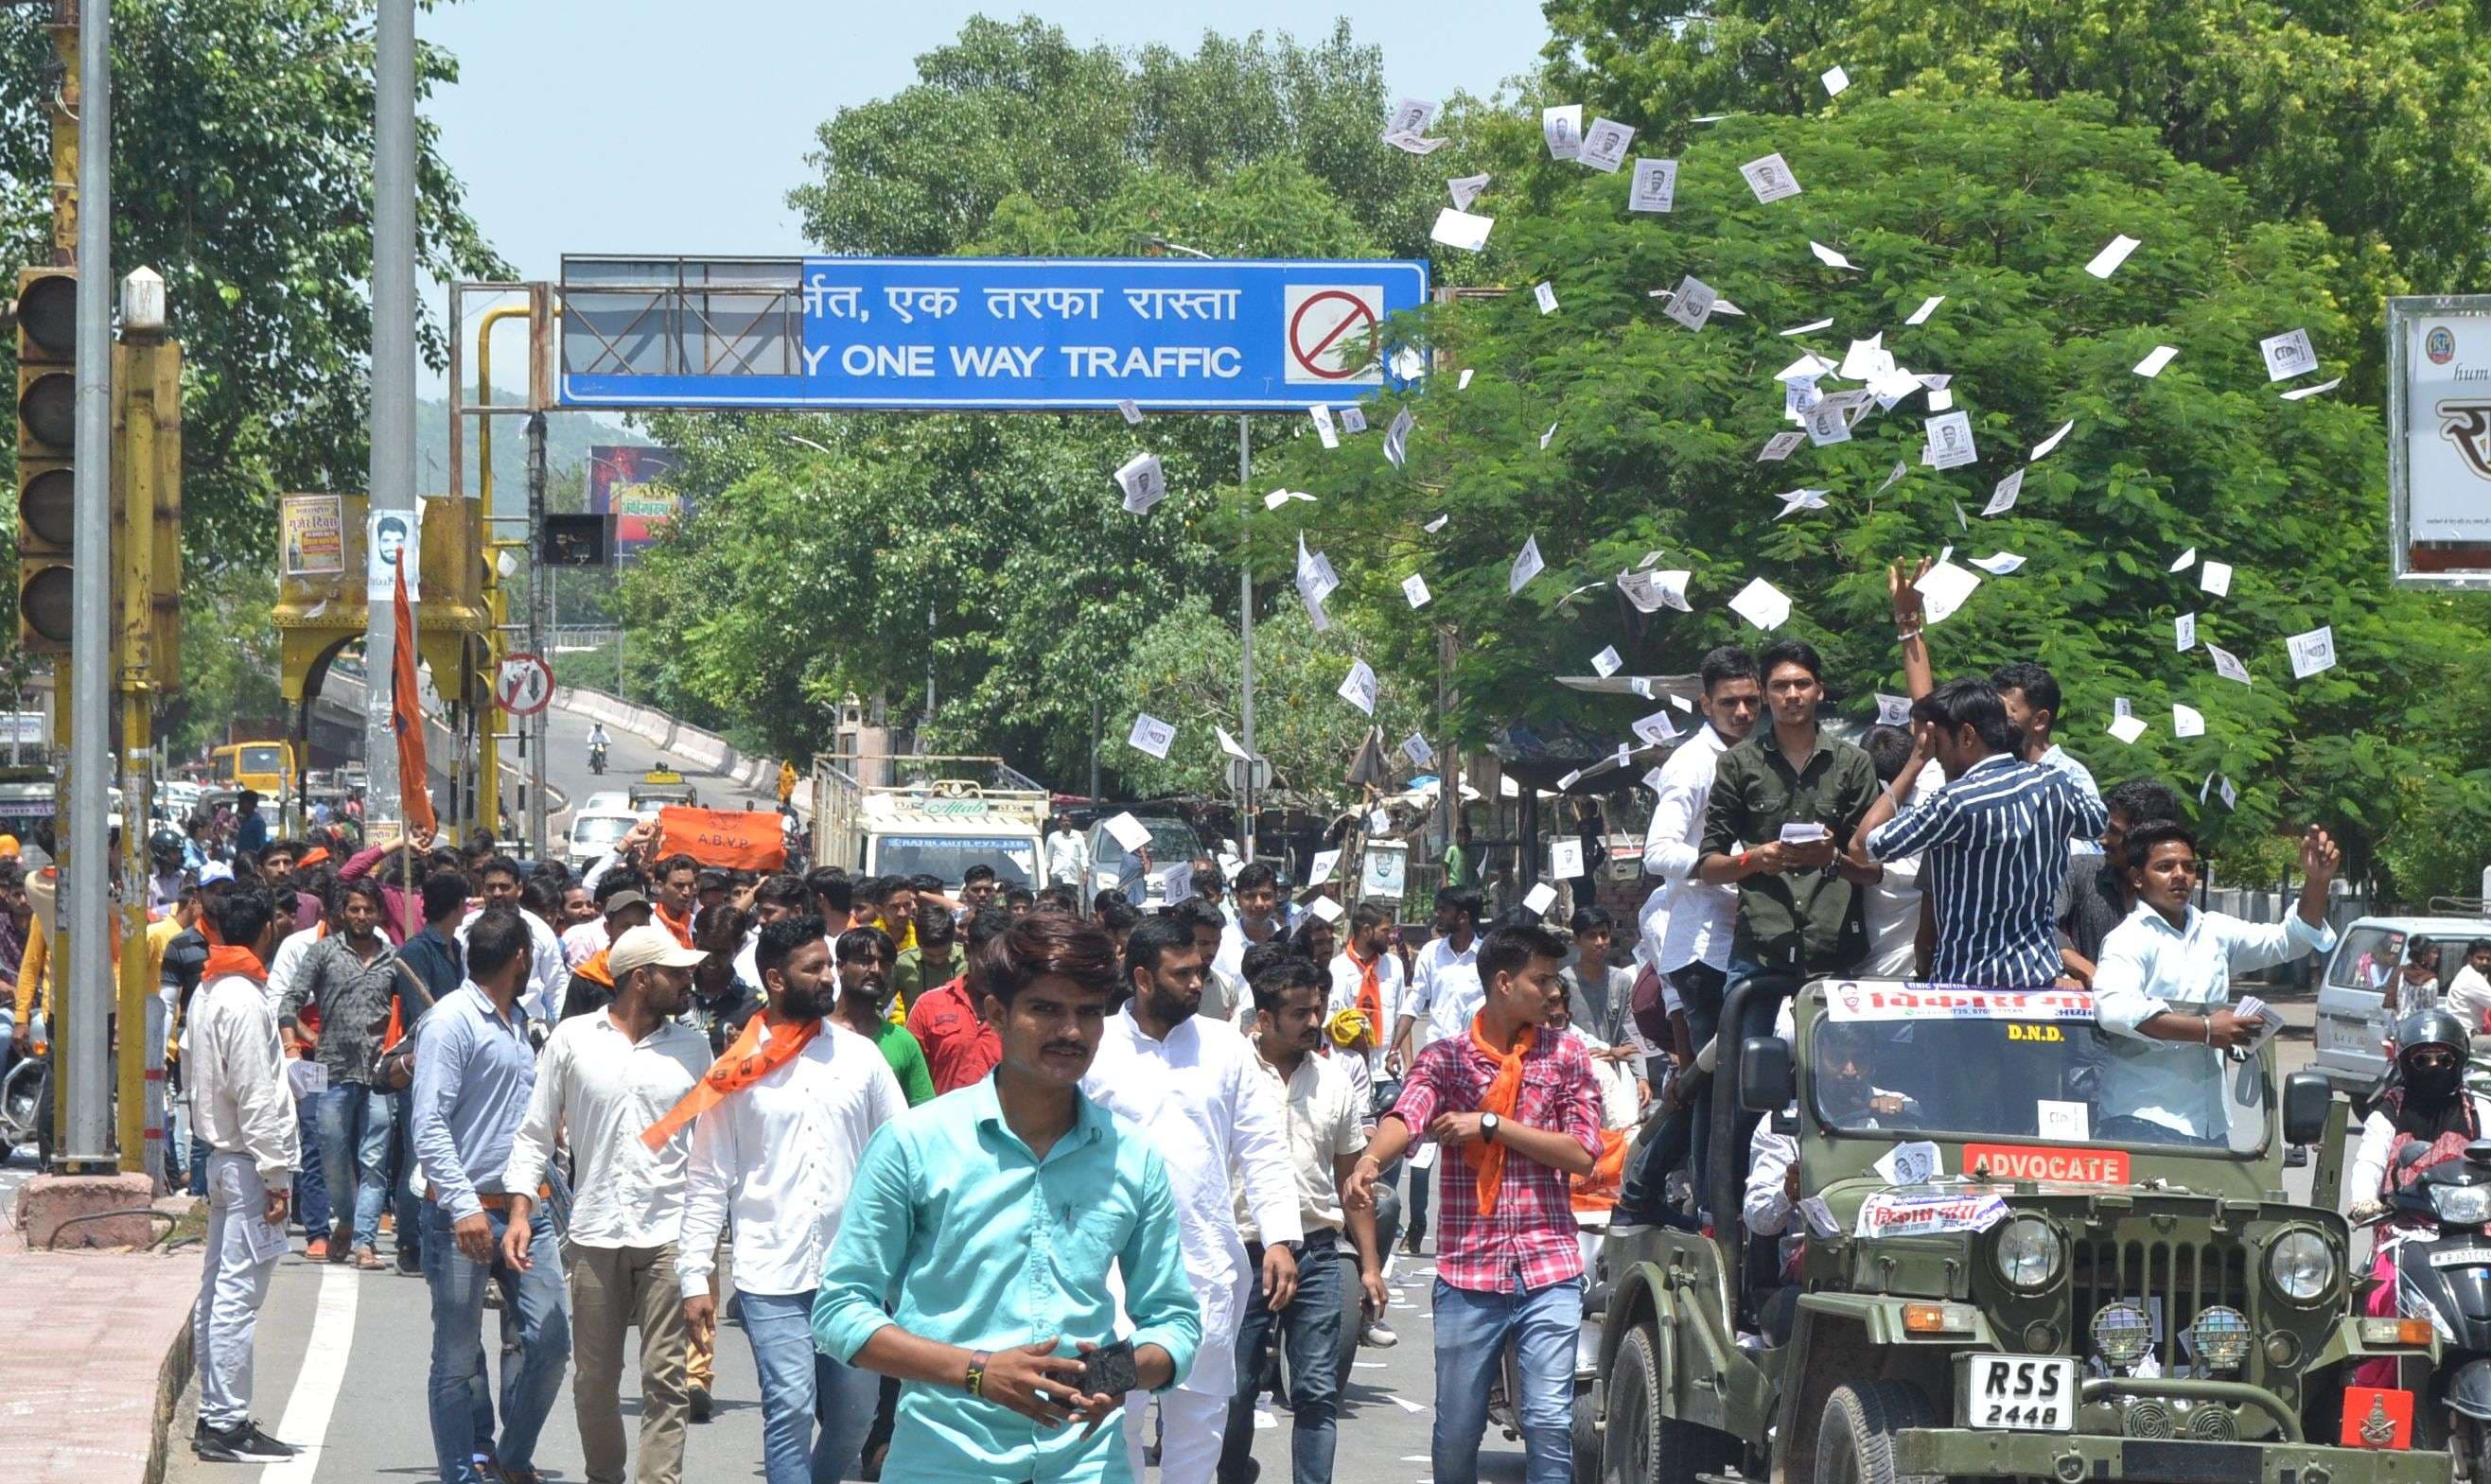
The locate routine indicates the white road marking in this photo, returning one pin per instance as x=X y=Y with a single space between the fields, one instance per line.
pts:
x=306 y=1423
x=1406 y=1404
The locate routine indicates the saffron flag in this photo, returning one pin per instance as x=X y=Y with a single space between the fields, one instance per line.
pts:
x=734 y=840
x=406 y=719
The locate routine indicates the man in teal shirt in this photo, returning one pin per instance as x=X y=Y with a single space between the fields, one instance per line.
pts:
x=973 y=1258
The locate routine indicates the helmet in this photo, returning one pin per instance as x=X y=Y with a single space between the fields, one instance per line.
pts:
x=2430 y=1028
x=164 y=848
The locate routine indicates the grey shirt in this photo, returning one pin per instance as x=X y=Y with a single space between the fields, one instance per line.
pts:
x=474 y=1071
x=353 y=997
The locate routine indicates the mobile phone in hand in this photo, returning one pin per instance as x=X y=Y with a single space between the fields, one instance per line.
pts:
x=1110 y=1371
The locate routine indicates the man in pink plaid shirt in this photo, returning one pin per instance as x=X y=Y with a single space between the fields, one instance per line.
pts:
x=1520 y=1113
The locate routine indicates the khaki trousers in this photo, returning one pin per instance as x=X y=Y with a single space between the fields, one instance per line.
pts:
x=611 y=1289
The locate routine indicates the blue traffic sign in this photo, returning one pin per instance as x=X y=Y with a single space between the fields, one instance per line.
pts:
x=997 y=335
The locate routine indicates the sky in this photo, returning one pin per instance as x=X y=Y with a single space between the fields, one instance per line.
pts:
x=629 y=126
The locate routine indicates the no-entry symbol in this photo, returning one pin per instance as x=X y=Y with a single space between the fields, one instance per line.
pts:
x=1331 y=332
x=523 y=684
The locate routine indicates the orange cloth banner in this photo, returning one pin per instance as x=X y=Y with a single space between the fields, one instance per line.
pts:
x=730 y=839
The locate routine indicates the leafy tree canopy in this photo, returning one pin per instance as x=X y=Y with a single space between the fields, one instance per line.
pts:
x=1997 y=205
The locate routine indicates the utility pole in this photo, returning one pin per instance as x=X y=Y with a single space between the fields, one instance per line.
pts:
x=86 y=994
x=540 y=600
x=392 y=401
x=1245 y=642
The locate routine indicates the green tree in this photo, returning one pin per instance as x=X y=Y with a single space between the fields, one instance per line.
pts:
x=1996 y=205
x=242 y=172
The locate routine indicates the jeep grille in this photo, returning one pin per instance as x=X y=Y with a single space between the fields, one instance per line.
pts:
x=2186 y=1278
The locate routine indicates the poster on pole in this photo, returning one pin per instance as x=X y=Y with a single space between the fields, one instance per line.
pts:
x=2439 y=440
x=386 y=533
x=314 y=531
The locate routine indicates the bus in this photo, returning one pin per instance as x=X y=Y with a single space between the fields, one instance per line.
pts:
x=266 y=768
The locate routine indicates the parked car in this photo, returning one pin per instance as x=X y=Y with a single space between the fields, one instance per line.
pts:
x=594 y=835
x=2353 y=1022
x=1172 y=840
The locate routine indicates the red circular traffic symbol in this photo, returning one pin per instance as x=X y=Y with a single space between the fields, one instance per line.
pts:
x=1307 y=354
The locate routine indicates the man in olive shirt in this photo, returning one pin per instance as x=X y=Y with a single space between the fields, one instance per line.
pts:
x=1785 y=803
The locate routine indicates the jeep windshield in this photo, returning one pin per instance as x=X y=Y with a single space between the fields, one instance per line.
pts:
x=1974 y=1066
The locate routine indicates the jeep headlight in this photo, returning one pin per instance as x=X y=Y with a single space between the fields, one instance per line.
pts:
x=2122 y=1331
x=2029 y=1254
x=2222 y=1338
x=2462 y=1205
x=2301 y=1266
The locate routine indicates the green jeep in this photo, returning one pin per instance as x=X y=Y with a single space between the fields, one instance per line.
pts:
x=2105 y=1297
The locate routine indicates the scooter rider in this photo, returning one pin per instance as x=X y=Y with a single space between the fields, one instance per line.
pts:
x=2424 y=1101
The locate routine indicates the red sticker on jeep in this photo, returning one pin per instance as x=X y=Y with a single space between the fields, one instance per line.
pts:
x=2047 y=1162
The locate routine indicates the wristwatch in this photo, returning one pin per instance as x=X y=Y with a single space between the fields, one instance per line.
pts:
x=1489 y=1123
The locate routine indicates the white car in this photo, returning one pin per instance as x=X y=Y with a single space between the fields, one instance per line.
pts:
x=594 y=834
x=611 y=801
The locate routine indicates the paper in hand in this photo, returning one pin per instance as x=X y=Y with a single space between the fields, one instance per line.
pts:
x=1654 y=187
x=2313 y=651
x=1525 y=565
x=1459 y=228
x=1770 y=178
x=1943 y=589
x=1143 y=481
x=1762 y=604
x=2106 y=262
x=1414 y=588
x=1605 y=144
x=1357 y=687
x=1151 y=734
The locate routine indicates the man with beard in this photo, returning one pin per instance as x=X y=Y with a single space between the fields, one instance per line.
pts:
x=1191 y=1084
x=996 y=1215
x=865 y=955
x=785 y=1117
x=603 y=1078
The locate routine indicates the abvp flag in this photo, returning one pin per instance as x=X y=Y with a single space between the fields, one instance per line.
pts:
x=406 y=719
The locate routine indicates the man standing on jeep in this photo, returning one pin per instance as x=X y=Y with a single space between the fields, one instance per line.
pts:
x=1519 y=1111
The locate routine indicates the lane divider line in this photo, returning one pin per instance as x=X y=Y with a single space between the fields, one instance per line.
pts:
x=314 y=1397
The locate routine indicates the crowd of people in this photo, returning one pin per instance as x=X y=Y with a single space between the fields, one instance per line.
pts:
x=1000 y=1184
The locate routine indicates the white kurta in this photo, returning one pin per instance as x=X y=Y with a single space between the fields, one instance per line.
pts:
x=1202 y=1103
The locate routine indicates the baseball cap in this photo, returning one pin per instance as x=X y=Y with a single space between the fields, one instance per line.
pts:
x=620 y=900
x=215 y=871
x=644 y=947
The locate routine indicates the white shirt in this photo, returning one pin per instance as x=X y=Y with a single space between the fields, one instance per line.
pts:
x=236 y=1071
x=580 y=943
x=1346 y=977
x=747 y=959
x=781 y=1155
x=541 y=1000
x=2148 y=967
x=596 y=1092
x=1200 y=1100
x=2060 y=758
x=1893 y=905
x=1068 y=857
x=1689 y=920
x=2469 y=1000
x=1324 y=1121
x=1444 y=990
x=1620 y=1102
x=286 y=962
x=1767 y=1207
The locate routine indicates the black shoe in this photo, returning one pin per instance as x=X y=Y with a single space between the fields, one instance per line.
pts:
x=701 y=1405
x=234 y=1445
x=262 y=1440
x=410 y=1261
x=1412 y=1242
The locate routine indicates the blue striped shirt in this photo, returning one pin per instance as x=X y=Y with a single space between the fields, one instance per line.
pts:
x=1994 y=849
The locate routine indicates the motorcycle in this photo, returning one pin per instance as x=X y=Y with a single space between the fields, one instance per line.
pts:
x=2438 y=1227
x=597 y=758
x=26 y=1098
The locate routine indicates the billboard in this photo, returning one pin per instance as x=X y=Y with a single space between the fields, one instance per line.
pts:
x=994 y=334
x=637 y=486
x=2439 y=440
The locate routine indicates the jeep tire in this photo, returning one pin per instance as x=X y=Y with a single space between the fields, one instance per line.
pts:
x=1640 y=1445
x=1854 y=1443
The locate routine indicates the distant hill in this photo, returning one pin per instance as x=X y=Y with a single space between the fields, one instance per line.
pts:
x=569 y=436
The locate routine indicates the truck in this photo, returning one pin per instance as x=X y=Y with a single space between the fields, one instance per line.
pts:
x=930 y=815
x=2011 y=1266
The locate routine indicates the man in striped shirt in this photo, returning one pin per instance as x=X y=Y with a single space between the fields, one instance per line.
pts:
x=1993 y=841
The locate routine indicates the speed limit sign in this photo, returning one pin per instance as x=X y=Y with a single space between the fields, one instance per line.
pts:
x=524 y=685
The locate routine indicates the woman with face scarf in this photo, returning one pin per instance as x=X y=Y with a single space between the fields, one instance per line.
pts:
x=2423 y=1107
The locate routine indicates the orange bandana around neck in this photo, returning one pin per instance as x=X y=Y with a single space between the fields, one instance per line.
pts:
x=1503 y=1094
x=745 y=1064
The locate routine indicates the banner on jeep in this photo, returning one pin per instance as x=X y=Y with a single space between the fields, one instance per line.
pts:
x=1855 y=1000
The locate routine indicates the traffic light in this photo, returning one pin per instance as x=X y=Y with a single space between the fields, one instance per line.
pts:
x=577 y=541
x=47 y=434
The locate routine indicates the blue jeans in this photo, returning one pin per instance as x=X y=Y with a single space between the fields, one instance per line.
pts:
x=528 y=1389
x=1310 y=1327
x=410 y=1210
x=199 y=1152
x=1471 y=1331
x=311 y=1191
x=801 y=1387
x=354 y=1124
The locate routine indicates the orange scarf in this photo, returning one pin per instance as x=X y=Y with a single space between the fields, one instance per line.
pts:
x=680 y=927
x=1502 y=1095
x=1597 y=1191
x=225 y=959
x=594 y=969
x=1370 y=992
x=745 y=1064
